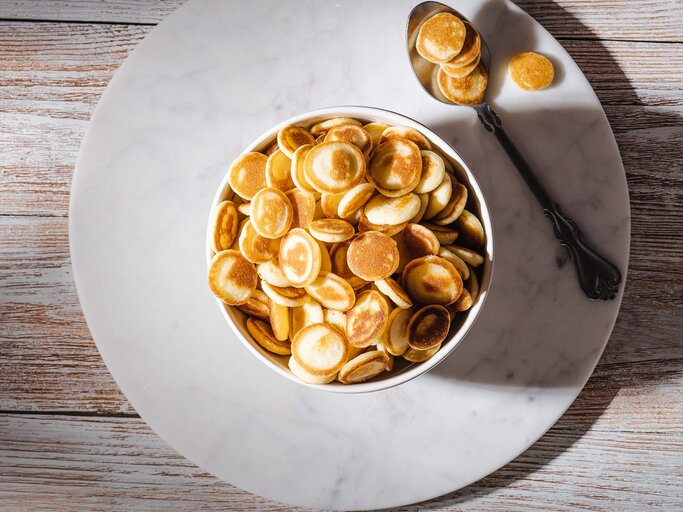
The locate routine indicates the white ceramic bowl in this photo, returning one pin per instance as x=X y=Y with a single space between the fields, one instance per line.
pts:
x=403 y=371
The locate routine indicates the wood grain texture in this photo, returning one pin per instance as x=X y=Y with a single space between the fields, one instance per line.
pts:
x=647 y=20
x=102 y=11
x=101 y=464
x=618 y=447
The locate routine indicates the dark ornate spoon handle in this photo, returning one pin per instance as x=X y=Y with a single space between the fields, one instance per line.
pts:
x=598 y=277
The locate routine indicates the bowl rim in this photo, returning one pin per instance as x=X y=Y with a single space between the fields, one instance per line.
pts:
x=416 y=369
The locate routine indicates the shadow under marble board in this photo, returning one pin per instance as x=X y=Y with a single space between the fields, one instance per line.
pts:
x=206 y=82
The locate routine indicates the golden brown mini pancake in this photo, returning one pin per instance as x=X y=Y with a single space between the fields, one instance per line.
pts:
x=353 y=135
x=365 y=225
x=395 y=167
x=464 y=302
x=363 y=367
x=279 y=321
x=424 y=202
x=395 y=336
x=531 y=71
x=303 y=207
x=247 y=174
x=428 y=327
x=285 y=296
x=257 y=248
x=420 y=240
x=244 y=209
x=224 y=222
x=389 y=358
x=332 y=291
x=297 y=171
x=441 y=38
x=263 y=335
x=393 y=290
x=324 y=126
x=307 y=377
x=375 y=130
x=456 y=204
x=366 y=320
x=271 y=212
x=460 y=72
x=444 y=234
x=372 y=255
x=456 y=261
x=432 y=280
x=325 y=261
x=255 y=308
x=471 y=232
x=472 y=285
x=439 y=197
x=329 y=204
x=308 y=314
x=471 y=49
x=336 y=318
x=232 y=278
x=270 y=273
x=469 y=90
x=320 y=349
x=271 y=149
x=392 y=210
x=354 y=199
x=334 y=167
x=278 y=171
x=299 y=257
x=433 y=170
x=290 y=138
x=331 y=230
x=420 y=356
x=472 y=258
x=407 y=133
x=340 y=267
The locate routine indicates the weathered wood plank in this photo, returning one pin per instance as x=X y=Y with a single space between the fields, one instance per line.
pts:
x=60 y=69
x=45 y=347
x=112 y=11
x=644 y=20
x=651 y=20
x=73 y=463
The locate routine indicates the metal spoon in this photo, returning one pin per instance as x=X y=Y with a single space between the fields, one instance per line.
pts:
x=599 y=278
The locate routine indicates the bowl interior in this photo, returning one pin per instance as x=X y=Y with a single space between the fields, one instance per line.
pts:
x=403 y=370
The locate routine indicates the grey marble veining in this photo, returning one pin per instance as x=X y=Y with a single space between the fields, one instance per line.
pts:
x=202 y=86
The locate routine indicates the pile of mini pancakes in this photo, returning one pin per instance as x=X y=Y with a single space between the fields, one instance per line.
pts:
x=455 y=46
x=339 y=244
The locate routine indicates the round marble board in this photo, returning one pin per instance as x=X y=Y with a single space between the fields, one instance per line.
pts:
x=204 y=84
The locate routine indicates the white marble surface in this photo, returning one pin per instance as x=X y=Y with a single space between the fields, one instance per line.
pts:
x=203 y=85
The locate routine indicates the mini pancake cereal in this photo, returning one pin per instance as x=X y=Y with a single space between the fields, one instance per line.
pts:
x=395 y=167
x=353 y=135
x=278 y=171
x=225 y=223
x=469 y=52
x=334 y=167
x=349 y=245
x=441 y=38
x=290 y=138
x=372 y=256
x=455 y=45
x=468 y=90
x=531 y=71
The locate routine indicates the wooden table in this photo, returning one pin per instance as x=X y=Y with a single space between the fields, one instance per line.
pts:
x=69 y=440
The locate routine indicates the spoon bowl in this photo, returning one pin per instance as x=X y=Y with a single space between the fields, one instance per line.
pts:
x=426 y=71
